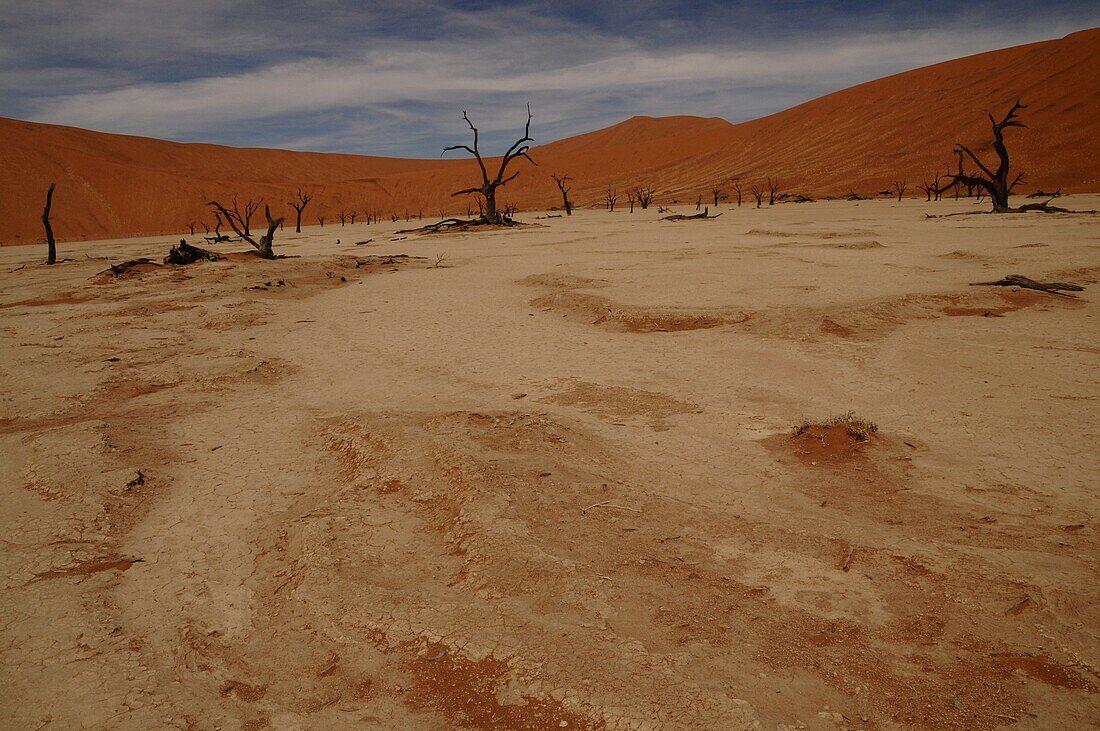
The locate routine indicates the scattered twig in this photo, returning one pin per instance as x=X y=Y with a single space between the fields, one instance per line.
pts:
x=848 y=559
x=137 y=481
x=607 y=504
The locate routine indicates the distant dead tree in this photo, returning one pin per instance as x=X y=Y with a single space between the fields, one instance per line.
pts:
x=610 y=198
x=191 y=228
x=299 y=206
x=899 y=188
x=737 y=188
x=352 y=216
x=489 y=184
x=321 y=221
x=644 y=196
x=218 y=236
x=773 y=191
x=343 y=216
x=264 y=245
x=51 y=245
x=244 y=219
x=561 y=180
x=716 y=195
x=630 y=197
x=758 y=194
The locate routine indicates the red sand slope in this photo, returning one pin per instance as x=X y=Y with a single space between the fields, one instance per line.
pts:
x=858 y=139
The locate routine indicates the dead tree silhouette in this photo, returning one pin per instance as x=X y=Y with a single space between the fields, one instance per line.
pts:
x=899 y=188
x=489 y=184
x=264 y=245
x=561 y=180
x=299 y=206
x=611 y=197
x=717 y=195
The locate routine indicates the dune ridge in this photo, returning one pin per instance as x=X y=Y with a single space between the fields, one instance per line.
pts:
x=861 y=138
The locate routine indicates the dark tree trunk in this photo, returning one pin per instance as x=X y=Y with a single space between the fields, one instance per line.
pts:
x=51 y=245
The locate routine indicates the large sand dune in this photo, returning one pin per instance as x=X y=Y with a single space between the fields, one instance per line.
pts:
x=858 y=139
x=550 y=481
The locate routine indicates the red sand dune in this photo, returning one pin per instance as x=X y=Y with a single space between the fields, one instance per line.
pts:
x=858 y=139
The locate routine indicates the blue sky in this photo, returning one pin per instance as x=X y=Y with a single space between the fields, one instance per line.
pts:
x=392 y=78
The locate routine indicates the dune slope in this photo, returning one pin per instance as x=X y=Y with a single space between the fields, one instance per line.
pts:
x=860 y=139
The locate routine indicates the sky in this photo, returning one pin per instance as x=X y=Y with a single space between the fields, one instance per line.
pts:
x=392 y=78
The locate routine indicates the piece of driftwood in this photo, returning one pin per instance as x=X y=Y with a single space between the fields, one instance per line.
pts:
x=118 y=269
x=185 y=253
x=1019 y=280
x=697 y=217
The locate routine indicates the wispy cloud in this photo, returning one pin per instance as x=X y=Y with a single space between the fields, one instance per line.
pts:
x=392 y=78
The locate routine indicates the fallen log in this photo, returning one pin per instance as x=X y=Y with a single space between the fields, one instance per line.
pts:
x=120 y=269
x=185 y=253
x=697 y=217
x=1019 y=280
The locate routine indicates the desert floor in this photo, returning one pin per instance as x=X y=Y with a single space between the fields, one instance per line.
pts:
x=550 y=480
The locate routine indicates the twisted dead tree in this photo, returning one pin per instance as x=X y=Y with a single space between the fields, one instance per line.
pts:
x=737 y=189
x=490 y=183
x=299 y=206
x=218 y=236
x=717 y=195
x=630 y=197
x=997 y=183
x=773 y=191
x=244 y=219
x=900 y=187
x=610 y=198
x=758 y=194
x=561 y=180
x=263 y=246
x=644 y=196
x=51 y=245
x=321 y=221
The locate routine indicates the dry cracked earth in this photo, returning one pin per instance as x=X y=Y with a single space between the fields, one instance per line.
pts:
x=552 y=479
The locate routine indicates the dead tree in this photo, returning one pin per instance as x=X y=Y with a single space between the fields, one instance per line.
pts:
x=264 y=245
x=630 y=197
x=996 y=184
x=611 y=197
x=489 y=185
x=758 y=194
x=218 y=237
x=566 y=203
x=244 y=220
x=717 y=195
x=352 y=216
x=51 y=245
x=773 y=191
x=343 y=216
x=191 y=228
x=900 y=187
x=644 y=196
x=299 y=206
x=737 y=189
x=321 y=221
